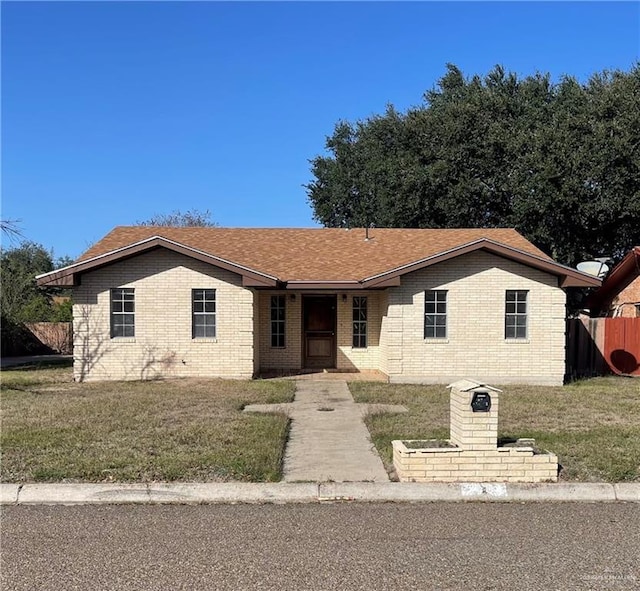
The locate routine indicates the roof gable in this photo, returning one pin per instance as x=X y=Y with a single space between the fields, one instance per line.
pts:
x=320 y=257
x=618 y=279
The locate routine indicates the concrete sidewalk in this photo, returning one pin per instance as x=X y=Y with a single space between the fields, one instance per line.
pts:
x=328 y=440
x=217 y=493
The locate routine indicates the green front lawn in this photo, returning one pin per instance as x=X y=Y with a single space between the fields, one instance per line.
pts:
x=593 y=425
x=188 y=430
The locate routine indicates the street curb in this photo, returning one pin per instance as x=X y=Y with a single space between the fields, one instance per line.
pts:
x=312 y=492
x=627 y=491
x=234 y=493
x=9 y=493
x=80 y=494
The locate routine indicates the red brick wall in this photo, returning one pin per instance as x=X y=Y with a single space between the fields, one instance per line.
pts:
x=627 y=302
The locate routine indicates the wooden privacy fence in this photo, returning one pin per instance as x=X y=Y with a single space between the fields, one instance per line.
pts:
x=596 y=346
x=57 y=336
x=622 y=345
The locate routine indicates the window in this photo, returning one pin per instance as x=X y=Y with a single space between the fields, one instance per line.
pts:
x=123 y=312
x=277 y=320
x=435 y=314
x=360 y=322
x=515 y=317
x=203 y=312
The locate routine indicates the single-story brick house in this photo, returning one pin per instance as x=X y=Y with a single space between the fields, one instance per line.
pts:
x=418 y=305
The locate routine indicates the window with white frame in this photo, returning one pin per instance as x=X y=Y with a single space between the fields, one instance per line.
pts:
x=515 y=316
x=203 y=313
x=123 y=311
x=278 y=320
x=435 y=314
x=360 y=322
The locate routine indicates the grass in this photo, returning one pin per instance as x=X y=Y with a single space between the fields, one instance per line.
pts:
x=593 y=425
x=179 y=430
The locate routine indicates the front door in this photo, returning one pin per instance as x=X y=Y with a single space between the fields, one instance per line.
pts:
x=319 y=327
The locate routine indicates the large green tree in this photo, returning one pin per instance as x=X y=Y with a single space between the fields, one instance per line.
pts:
x=21 y=300
x=558 y=161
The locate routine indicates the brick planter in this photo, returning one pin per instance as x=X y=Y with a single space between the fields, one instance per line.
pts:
x=473 y=454
x=502 y=464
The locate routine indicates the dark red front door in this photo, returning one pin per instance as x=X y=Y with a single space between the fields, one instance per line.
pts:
x=319 y=327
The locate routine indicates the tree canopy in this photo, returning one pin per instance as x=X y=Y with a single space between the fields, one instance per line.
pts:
x=188 y=219
x=21 y=300
x=560 y=162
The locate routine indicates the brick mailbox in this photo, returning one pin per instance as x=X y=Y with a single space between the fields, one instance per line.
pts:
x=472 y=453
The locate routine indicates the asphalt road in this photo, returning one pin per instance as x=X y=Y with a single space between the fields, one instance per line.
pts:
x=466 y=546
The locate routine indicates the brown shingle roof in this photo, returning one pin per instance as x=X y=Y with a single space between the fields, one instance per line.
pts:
x=322 y=254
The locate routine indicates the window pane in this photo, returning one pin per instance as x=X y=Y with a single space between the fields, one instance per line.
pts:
x=278 y=317
x=359 y=325
x=203 y=313
x=122 y=312
x=435 y=314
x=516 y=314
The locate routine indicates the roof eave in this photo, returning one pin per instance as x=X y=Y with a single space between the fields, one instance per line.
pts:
x=568 y=277
x=69 y=276
x=619 y=277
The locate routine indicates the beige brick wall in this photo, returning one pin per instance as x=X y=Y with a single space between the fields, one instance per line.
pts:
x=359 y=358
x=473 y=430
x=163 y=344
x=289 y=357
x=475 y=346
x=457 y=465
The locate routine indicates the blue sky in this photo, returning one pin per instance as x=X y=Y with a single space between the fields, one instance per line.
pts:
x=114 y=111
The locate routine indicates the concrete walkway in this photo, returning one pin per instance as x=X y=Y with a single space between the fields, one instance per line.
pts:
x=328 y=440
